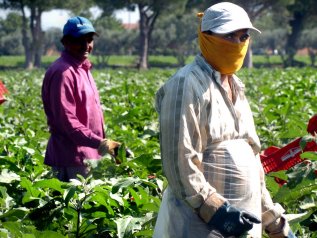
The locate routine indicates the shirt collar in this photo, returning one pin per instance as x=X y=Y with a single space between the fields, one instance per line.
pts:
x=200 y=60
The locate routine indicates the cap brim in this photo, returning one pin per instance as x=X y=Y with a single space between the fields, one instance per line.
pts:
x=228 y=28
x=84 y=32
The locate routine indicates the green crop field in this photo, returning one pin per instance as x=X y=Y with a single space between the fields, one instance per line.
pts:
x=259 y=61
x=122 y=199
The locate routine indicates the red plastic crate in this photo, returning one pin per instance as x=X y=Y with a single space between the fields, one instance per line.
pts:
x=3 y=91
x=274 y=159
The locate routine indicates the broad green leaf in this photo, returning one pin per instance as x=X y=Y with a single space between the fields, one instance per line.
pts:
x=144 y=233
x=280 y=174
x=75 y=182
x=123 y=183
x=102 y=199
x=29 y=150
x=15 y=228
x=296 y=218
x=30 y=133
x=6 y=202
x=117 y=198
x=69 y=194
x=144 y=194
x=15 y=214
x=70 y=214
x=311 y=155
x=308 y=205
x=4 y=233
x=151 y=207
x=50 y=183
x=123 y=226
x=129 y=225
x=8 y=176
x=135 y=197
x=32 y=193
x=96 y=183
x=288 y=195
x=49 y=234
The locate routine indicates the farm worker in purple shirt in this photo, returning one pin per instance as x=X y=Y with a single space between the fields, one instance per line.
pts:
x=209 y=145
x=72 y=106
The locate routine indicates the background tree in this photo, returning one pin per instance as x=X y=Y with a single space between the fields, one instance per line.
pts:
x=283 y=24
x=149 y=11
x=52 y=41
x=303 y=12
x=273 y=25
x=113 y=39
x=176 y=36
x=10 y=35
x=32 y=33
x=308 y=40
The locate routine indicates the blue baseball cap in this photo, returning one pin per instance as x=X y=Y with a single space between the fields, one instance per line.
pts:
x=78 y=26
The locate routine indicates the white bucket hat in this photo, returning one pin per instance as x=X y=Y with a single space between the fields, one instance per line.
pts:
x=225 y=17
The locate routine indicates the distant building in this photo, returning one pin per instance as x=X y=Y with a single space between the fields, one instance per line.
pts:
x=303 y=51
x=131 y=26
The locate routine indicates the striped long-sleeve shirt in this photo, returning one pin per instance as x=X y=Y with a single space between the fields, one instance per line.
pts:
x=209 y=144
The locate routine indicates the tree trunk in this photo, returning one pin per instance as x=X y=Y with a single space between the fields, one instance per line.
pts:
x=144 y=43
x=291 y=46
x=147 y=20
x=38 y=39
x=28 y=63
x=37 y=34
x=28 y=51
x=312 y=56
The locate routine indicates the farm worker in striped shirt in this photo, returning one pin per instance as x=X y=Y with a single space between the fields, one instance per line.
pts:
x=72 y=106
x=209 y=146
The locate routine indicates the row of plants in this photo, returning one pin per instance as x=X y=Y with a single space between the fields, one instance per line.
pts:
x=121 y=198
x=283 y=101
x=155 y=61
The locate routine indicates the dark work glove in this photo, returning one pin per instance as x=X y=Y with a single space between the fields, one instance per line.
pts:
x=232 y=221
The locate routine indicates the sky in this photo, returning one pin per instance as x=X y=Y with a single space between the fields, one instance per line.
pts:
x=54 y=18
x=127 y=16
x=57 y=18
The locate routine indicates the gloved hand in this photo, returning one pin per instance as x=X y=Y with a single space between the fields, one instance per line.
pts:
x=279 y=229
x=232 y=221
x=312 y=125
x=108 y=146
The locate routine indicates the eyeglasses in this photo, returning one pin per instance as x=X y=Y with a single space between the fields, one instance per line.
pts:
x=232 y=36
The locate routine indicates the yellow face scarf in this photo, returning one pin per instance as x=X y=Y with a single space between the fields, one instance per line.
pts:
x=224 y=56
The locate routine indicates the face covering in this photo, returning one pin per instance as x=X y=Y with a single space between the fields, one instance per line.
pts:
x=223 y=55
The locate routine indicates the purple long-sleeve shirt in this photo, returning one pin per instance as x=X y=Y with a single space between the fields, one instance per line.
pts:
x=74 y=116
